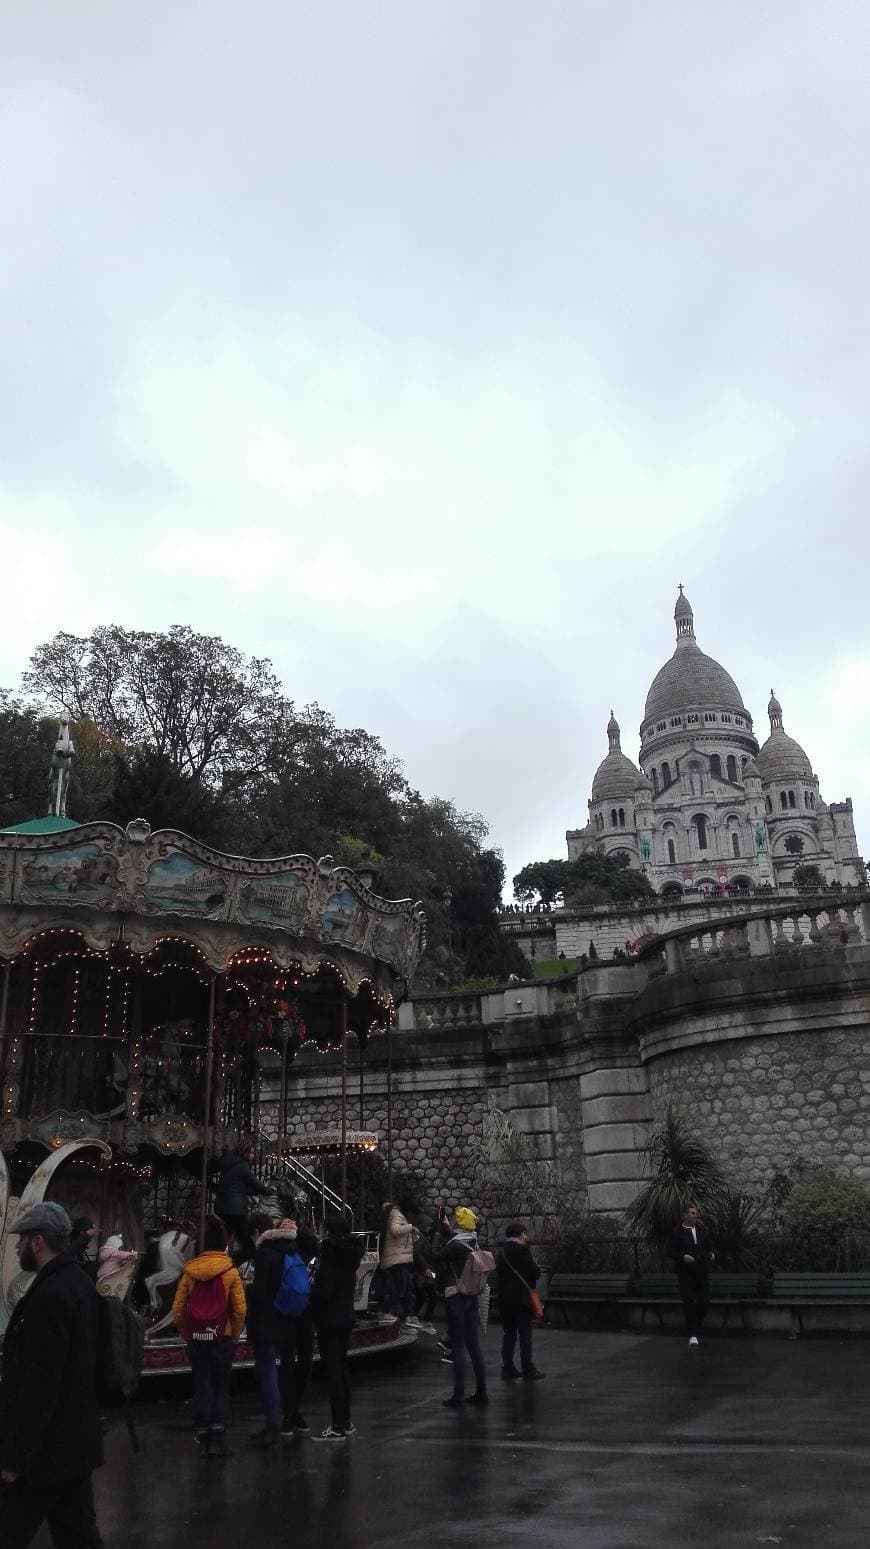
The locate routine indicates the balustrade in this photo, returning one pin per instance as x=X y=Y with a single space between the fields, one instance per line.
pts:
x=781 y=931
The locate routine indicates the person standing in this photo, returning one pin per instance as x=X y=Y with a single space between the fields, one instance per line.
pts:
x=280 y=1327
x=691 y=1254
x=50 y=1435
x=396 y=1263
x=333 y=1292
x=209 y=1313
x=518 y=1275
x=464 y=1282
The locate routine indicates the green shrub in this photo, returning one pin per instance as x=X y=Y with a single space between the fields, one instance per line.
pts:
x=826 y=1224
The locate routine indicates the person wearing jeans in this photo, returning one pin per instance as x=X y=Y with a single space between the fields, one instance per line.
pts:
x=211 y=1360
x=283 y=1343
x=518 y=1274
x=463 y=1313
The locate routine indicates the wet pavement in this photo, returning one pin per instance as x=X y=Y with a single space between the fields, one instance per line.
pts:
x=633 y=1441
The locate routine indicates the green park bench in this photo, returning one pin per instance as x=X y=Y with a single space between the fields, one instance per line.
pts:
x=809 y=1289
x=728 y=1291
x=578 y=1290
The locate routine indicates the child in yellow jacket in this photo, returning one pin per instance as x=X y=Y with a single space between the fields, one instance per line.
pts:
x=210 y=1317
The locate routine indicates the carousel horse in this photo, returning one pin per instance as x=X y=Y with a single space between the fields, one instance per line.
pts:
x=174 y=1248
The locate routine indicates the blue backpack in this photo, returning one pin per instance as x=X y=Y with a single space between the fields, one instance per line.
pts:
x=294 y=1292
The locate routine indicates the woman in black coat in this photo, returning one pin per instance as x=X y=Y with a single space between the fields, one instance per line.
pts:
x=332 y=1305
x=517 y=1276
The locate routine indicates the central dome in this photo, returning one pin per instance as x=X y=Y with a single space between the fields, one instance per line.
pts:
x=691 y=680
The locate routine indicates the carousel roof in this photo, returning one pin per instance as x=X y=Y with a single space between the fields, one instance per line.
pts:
x=133 y=886
x=49 y=825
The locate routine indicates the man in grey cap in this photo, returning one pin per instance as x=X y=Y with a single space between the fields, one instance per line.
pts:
x=50 y=1437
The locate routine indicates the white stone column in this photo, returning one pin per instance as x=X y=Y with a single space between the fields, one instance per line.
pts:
x=616 y=1113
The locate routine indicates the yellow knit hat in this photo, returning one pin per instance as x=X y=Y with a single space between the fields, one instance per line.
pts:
x=465 y=1218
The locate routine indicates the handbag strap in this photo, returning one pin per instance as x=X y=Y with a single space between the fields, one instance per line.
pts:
x=516 y=1272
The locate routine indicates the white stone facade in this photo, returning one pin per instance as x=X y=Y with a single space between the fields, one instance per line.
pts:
x=707 y=809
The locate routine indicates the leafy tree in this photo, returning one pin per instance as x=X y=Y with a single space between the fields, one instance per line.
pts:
x=211 y=712
x=492 y=955
x=808 y=875
x=590 y=879
x=684 y=1172
x=826 y=1224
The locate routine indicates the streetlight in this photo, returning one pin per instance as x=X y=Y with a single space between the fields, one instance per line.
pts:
x=448 y=899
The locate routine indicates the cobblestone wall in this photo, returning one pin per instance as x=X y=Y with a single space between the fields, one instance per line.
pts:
x=763 y=1101
x=431 y=1134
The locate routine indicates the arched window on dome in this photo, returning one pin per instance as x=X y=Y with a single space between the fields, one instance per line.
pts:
x=807 y=800
x=731 y=766
x=768 y=804
x=699 y=823
x=666 y=774
x=622 y=817
x=672 y=853
x=783 y=801
x=716 y=765
x=613 y=817
x=655 y=782
x=791 y=799
x=735 y=844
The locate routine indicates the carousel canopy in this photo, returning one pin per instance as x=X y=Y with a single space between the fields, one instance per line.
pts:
x=131 y=886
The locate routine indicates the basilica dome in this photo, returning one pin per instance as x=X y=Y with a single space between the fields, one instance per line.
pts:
x=616 y=775
x=691 y=679
x=780 y=757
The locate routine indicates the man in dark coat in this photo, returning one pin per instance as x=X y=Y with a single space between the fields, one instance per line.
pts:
x=235 y=1184
x=518 y=1274
x=283 y=1342
x=50 y=1437
x=691 y=1254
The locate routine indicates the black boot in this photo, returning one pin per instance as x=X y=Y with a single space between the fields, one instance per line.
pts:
x=455 y=1401
x=269 y=1436
x=479 y=1397
x=217 y=1445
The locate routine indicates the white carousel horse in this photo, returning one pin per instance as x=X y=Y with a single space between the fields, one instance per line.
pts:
x=173 y=1251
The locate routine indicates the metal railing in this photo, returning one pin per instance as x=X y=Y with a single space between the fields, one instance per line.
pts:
x=274 y=1169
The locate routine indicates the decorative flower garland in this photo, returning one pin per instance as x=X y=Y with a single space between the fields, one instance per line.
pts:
x=265 y=1026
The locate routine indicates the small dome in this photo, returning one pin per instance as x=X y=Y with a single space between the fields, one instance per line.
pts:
x=684 y=607
x=751 y=770
x=616 y=775
x=781 y=758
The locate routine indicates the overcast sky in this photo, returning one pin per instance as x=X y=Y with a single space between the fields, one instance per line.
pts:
x=424 y=348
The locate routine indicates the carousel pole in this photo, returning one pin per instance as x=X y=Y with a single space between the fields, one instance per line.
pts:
x=389 y=1114
x=206 y=1108
x=362 y=1155
x=344 y=1104
x=4 y=1006
x=282 y=1096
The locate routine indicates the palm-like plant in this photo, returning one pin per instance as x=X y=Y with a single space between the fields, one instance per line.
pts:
x=684 y=1172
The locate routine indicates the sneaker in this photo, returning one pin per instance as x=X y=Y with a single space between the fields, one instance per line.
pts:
x=453 y=1402
x=297 y=1425
x=217 y=1445
x=331 y=1434
x=447 y=1360
x=387 y=1319
x=428 y=1328
x=350 y=1430
x=413 y=1323
x=534 y=1375
x=693 y=1340
x=479 y=1397
x=510 y=1374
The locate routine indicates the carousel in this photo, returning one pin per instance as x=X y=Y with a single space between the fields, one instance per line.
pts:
x=154 y=995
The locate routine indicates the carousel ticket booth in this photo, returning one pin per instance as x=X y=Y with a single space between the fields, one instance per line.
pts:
x=146 y=984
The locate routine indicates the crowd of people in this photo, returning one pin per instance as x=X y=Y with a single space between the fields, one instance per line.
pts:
x=301 y=1287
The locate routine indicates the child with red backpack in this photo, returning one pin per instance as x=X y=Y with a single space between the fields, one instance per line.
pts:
x=209 y=1313
x=467 y=1269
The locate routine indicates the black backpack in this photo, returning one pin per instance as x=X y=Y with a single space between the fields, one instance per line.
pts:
x=121 y=1348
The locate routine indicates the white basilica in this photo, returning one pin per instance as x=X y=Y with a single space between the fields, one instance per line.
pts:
x=707 y=808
